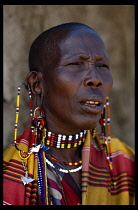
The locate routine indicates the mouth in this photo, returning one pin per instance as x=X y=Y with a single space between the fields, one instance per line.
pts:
x=92 y=106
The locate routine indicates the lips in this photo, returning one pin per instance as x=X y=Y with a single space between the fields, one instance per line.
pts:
x=93 y=106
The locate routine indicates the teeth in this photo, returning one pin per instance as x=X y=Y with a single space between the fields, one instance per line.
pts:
x=92 y=102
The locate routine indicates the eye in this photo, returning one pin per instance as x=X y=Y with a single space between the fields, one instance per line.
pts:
x=102 y=65
x=74 y=63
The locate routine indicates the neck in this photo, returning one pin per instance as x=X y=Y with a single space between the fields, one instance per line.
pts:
x=67 y=155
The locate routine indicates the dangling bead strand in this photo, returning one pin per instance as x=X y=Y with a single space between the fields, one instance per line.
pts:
x=17 y=115
x=102 y=122
x=106 y=135
x=31 y=103
x=109 y=157
x=23 y=154
x=108 y=124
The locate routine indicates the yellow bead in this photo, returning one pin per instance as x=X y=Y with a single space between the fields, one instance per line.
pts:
x=110 y=165
x=69 y=145
x=70 y=164
x=16 y=118
x=18 y=101
x=15 y=134
x=62 y=145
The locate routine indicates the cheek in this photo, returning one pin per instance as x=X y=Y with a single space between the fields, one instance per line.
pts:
x=65 y=84
x=107 y=83
x=59 y=91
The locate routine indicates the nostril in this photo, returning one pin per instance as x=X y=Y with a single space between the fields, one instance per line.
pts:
x=94 y=84
x=90 y=84
x=99 y=84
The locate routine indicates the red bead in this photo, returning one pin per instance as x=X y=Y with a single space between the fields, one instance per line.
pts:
x=42 y=122
x=101 y=121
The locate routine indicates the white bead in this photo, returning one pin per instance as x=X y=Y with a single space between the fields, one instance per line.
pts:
x=49 y=133
x=63 y=137
x=64 y=170
x=81 y=134
x=70 y=137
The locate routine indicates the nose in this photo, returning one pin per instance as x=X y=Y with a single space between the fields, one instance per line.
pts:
x=93 y=80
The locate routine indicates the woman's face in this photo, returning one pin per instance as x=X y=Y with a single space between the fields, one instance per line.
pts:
x=75 y=91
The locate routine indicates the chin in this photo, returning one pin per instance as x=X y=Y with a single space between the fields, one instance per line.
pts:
x=89 y=123
x=89 y=126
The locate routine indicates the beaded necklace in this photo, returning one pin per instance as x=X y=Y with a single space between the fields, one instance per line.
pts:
x=65 y=163
x=64 y=141
x=64 y=170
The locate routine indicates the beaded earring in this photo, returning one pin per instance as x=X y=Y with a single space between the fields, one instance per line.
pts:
x=38 y=122
x=39 y=125
x=18 y=109
x=22 y=154
x=106 y=135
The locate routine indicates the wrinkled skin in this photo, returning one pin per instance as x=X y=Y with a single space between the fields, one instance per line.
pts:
x=82 y=74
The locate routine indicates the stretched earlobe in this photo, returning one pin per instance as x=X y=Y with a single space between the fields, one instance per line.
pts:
x=33 y=79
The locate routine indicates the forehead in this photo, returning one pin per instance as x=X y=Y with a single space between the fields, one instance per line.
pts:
x=83 y=41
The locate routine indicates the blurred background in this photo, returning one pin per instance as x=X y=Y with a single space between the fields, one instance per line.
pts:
x=115 y=23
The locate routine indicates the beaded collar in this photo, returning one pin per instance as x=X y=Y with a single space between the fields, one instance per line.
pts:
x=64 y=141
x=63 y=170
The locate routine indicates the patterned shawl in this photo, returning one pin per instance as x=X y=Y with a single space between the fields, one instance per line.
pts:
x=97 y=188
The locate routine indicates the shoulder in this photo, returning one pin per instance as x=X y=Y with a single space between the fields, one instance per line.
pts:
x=119 y=149
x=117 y=145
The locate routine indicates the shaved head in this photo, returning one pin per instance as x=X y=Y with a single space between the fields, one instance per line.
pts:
x=69 y=65
x=44 y=52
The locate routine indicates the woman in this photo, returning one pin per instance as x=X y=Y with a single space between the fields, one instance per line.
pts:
x=60 y=160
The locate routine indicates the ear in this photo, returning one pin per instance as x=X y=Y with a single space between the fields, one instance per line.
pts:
x=34 y=80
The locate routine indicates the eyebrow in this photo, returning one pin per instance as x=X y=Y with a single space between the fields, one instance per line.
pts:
x=102 y=58
x=75 y=55
x=86 y=57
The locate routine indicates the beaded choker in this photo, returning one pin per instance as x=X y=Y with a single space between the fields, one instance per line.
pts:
x=64 y=141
